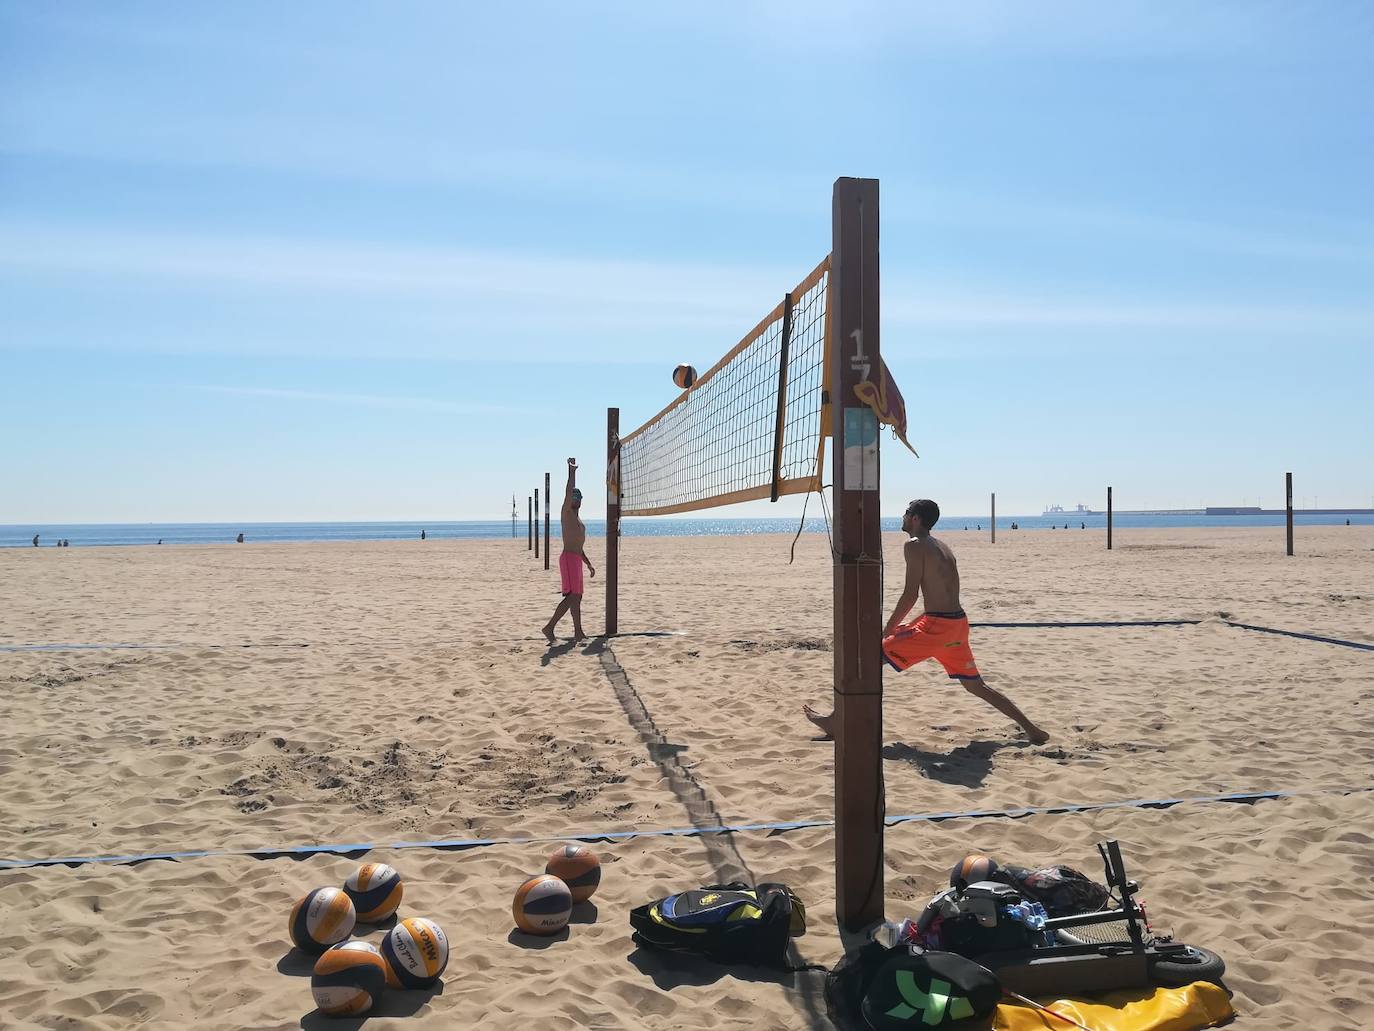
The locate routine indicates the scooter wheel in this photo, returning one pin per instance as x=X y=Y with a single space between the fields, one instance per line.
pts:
x=1193 y=963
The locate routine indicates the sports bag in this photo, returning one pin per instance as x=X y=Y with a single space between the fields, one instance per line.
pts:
x=906 y=988
x=730 y=923
x=1062 y=890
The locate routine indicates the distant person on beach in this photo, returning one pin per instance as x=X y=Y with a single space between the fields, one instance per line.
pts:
x=941 y=631
x=35 y=540
x=159 y=540
x=422 y=535
x=571 y=561
x=1082 y=526
x=239 y=539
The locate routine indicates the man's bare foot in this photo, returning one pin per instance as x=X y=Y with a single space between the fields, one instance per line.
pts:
x=1036 y=735
x=548 y=634
x=579 y=637
x=824 y=722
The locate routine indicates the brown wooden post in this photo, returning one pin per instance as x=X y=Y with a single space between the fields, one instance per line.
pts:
x=1109 y=519
x=1288 y=505
x=994 y=517
x=547 y=504
x=854 y=354
x=536 y=522
x=612 y=521
x=529 y=530
x=784 y=347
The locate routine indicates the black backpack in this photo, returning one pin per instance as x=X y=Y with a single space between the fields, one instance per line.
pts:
x=906 y=988
x=730 y=923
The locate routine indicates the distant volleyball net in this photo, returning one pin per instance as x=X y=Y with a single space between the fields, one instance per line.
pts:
x=748 y=428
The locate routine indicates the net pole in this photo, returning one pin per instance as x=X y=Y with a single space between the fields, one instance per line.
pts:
x=535 y=524
x=547 y=505
x=612 y=521
x=782 y=392
x=994 y=517
x=1109 y=519
x=529 y=529
x=1288 y=506
x=854 y=356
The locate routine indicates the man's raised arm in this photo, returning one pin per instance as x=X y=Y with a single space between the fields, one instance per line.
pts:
x=572 y=484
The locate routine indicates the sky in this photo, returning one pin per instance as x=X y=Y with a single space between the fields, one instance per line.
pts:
x=331 y=261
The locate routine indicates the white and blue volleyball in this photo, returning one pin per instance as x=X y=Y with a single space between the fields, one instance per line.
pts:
x=375 y=890
x=348 y=979
x=416 y=952
x=542 y=905
x=321 y=919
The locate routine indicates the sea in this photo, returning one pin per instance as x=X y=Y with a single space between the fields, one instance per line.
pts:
x=109 y=534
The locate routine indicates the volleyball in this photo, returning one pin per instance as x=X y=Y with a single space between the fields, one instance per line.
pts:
x=323 y=917
x=972 y=869
x=348 y=979
x=375 y=890
x=684 y=376
x=416 y=952
x=578 y=868
x=542 y=905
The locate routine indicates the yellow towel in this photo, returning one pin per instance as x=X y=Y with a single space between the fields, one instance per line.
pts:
x=1197 y=1006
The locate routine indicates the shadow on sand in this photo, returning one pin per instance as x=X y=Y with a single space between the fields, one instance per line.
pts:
x=966 y=766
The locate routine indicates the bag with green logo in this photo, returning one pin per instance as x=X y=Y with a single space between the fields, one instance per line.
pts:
x=732 y=923
x=904 y=989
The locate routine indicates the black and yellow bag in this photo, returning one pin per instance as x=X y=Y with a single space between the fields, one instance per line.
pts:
x=730 y=923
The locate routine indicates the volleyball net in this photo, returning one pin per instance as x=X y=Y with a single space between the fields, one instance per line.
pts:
x=749 y=428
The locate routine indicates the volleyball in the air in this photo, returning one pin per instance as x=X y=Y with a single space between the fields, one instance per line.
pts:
x=416 y=952
x=348 y=979
x=578 y=867
x=375 y=890
x=684 y=376
x=542 y=905
x=323 y=917
x=972 y=869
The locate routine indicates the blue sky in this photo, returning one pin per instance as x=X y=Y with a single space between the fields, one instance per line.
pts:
x=352 y=261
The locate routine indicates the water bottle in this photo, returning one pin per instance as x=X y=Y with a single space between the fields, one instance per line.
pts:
x=892 y=934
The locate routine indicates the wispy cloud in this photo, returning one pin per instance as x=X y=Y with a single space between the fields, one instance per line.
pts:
x=367 y=400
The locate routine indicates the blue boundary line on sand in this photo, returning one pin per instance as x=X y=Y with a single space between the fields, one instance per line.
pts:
x=1306 y=637
x=465 y=844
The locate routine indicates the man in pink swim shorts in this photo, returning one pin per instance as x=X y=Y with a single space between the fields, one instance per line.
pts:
x=571 y=561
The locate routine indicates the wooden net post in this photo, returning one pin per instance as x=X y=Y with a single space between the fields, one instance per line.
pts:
x=1109 y=519
x=854 y=356
x=547 y=506
x=612 y=521
x=994 y=517
x=529 y=530
x=535 y=524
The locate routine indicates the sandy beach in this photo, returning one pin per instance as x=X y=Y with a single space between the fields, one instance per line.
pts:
x=299 y=694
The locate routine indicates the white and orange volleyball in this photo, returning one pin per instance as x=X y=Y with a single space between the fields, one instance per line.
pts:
x=578 y=867
x=416 y=953
x=322 y=918
x=375 y=890
x=542 y=905
x=348 y=979
x=684 y=376
x=972 y=869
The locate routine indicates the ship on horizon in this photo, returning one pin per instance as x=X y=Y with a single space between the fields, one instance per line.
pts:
x=1077 y=510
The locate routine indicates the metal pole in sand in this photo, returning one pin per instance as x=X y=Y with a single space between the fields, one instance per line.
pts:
x=1109 y=519
x=536 y=522
x=546 y=520
x=994 y=517
x=1288 y=505
x=529 y=528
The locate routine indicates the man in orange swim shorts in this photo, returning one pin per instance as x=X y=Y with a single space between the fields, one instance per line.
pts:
x=571 y=561
x=941 y=631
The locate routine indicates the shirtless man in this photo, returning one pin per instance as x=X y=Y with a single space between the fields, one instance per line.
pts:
x=941 y=631
x=570 y=562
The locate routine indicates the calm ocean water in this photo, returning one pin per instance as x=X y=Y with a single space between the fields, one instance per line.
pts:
x=99 y=534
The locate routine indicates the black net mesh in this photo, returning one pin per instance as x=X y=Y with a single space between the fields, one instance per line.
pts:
x=716 y=444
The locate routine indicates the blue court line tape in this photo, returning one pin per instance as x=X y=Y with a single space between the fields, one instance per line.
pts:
x=464 y=844
x=1114 y=622
x=1305 y=637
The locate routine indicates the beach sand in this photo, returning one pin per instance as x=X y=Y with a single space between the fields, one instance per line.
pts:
x=296 y=694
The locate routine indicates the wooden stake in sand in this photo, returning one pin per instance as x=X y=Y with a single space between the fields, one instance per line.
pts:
x=858 y=553
x=612 y=521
